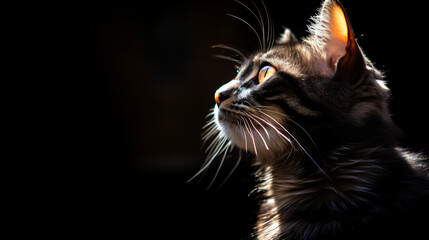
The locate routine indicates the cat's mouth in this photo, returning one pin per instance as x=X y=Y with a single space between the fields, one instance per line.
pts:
x=230 y=125
x=254 y=129
x=226 y=116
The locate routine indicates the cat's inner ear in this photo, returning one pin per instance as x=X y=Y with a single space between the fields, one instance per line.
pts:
x=339 y=34
x=331 y=30
x=287 y=37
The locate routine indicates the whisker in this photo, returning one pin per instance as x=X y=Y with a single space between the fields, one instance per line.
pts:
x=259 y=19
x=231 y=49
x=273 y=35
x=251 y=115
x=288 y=156
x=232 y=171
x=211 y=112
x=229 y=58
x=215 y=138
x=220 y=165
x=299 y=144
x=208 y=163
x=266 y=121
x=245 y=137
x=291 y=120
x=209 y=127
x=267 y=108
x=211 y=148
x=251 y=135
x=261 y=23
x=274 y=128
x=305 y=131
x=270 y=25
x=253 y=29
x=260 y=135
x=209 y=132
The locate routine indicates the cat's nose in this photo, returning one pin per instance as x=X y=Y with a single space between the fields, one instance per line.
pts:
x=221 y=96
x=226 y=91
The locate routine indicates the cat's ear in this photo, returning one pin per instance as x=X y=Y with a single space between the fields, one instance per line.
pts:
x=331 y=33
x=287 y=37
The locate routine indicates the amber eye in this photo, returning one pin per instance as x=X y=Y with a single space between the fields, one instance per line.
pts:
x=265 y=73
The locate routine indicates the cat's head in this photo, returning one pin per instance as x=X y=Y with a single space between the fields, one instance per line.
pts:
x=302 y=93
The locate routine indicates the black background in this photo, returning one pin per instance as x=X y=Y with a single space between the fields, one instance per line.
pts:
x=123 y=92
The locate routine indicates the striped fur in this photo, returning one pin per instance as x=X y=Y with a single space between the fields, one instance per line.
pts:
x=321 y=132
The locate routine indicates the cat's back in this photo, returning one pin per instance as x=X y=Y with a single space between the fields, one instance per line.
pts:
x=403 y=208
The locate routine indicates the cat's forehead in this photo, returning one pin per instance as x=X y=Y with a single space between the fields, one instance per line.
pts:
x=294 y=60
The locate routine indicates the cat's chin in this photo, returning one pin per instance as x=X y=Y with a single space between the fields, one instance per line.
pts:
x=229 y=128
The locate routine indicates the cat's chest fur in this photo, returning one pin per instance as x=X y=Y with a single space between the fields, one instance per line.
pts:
x=363 y=198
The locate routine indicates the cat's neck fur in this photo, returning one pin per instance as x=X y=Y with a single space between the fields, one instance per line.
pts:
x=303 y=205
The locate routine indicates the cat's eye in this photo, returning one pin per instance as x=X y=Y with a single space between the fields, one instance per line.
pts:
x=265 y=73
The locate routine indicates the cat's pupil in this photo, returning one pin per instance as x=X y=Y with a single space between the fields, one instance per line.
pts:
x=265 y=73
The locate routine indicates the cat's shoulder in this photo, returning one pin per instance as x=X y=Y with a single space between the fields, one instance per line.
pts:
x=419 y=161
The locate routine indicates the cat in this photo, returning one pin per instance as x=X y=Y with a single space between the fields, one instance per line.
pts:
x=314 y=114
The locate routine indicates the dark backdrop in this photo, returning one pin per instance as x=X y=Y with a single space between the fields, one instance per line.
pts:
x=132 y=85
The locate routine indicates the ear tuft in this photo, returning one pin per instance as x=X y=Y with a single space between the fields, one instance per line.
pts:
x=287 y=37
x=331 y=32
